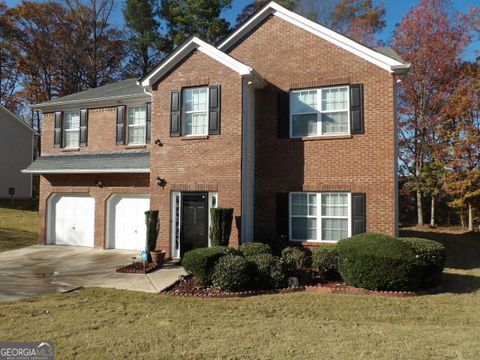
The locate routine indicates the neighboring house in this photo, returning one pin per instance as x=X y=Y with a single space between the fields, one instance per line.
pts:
x=17 y=144
x=287 y=122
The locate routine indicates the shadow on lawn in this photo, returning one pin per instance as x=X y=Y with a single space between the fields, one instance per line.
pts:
x=463 y=258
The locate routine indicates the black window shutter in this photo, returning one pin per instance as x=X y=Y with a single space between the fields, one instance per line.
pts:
x=58 y=129
x=214 y=110
x=356 y=109
x=83 y=127
x=359 y=213
x=121 y=138
x=175 y=117
x=283 y=109
x=282 y=215
x=148 y=122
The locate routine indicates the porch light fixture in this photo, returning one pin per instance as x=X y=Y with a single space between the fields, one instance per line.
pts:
x=99 y=183
x=158 y=142
x=161 y=182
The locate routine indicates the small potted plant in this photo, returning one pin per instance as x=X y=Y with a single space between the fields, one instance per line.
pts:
x=151 y=220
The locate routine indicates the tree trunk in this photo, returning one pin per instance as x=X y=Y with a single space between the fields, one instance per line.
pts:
x=462 y=220
x=419 y=208
x=470 y=217
x=432 y=216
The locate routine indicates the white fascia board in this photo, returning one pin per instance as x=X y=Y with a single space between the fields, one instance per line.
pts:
x=207 y=49
x=335 y=38
x=87 y=171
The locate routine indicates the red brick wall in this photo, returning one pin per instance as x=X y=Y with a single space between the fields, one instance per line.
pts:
x=203 y=164
x=101 y=132
x=85 y=184
x=289 y=57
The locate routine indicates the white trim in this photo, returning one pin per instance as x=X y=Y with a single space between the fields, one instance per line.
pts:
x=87 y=171
x=319 y=215
x=184 y=50
x=335 y=38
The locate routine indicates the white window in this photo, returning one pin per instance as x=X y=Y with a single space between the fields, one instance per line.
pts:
x=136 y=125
x=318 y=112
x=195 y=111
x=72 y=129
x=319 y=216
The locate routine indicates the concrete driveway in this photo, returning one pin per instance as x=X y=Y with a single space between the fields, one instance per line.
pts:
x=39 y=269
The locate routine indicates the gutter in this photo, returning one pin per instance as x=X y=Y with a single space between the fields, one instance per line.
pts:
x=86 y=101
x=88 y=171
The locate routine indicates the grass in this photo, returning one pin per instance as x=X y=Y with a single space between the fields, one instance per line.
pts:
x=18 y=225
x=101 y=323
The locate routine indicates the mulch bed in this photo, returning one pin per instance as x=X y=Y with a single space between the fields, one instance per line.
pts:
x=188 y=287
x=137 y=268
x=341 y=288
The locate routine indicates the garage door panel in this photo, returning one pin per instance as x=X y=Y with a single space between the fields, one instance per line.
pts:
x=127 y=221
x=73 y=220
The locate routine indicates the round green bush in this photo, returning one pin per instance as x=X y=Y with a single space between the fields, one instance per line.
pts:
x=325 y=259
x=296 y=259
x=431 y=257
x=255 y=248
x=267 y=271
x=377 y=262
x=232 y=273
x=200 y=262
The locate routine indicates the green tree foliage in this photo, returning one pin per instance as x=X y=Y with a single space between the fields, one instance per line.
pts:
x=221 y=226
x=146 y=46
x=184 y=18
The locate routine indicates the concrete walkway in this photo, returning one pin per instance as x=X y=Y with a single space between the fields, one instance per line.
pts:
x=38 y=270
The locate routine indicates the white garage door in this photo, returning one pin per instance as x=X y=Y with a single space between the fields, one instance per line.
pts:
x=127 y=229
x=72 y=218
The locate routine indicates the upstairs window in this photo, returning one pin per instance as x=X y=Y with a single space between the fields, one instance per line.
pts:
x=320 y=112
x=137 y=125
x=72 y=129
x=195 y=111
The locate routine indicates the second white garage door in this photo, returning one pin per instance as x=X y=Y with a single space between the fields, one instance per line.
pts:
x=126 y=226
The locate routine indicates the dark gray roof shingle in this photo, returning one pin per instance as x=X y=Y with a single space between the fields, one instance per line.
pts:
x=101 y=162
x=388 y=51
x=123 y=88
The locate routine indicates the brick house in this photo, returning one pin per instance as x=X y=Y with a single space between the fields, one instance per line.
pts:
x=287 y=122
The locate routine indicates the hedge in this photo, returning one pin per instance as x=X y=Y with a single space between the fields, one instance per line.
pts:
x=325 y=259
x=200 y=262
x=267 y=271
x=232 y=273
x=221 y=226
x=254 y=248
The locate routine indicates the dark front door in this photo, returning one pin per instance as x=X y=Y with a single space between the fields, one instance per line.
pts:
x=194 y=232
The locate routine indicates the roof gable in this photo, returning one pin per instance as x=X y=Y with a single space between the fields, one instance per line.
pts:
x=186 y=48
x=385 y=62
x=16 y=119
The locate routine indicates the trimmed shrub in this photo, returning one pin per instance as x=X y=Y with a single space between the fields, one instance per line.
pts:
x=200 y=262
x=232 y=273
x=267 y=271
x=325 y=259
x=431 y=257
x=221 y=226
x=296 y=259
x=151 y=220
x=377 y=262
x=255 y=248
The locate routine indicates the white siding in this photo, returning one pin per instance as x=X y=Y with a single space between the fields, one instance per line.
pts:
x=16 y=153
x=248 y=162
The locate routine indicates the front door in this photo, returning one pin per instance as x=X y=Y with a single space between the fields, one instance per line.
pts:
x=194 y=228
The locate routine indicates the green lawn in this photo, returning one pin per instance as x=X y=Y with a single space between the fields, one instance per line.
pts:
x=98 y=323
x=18 y=225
